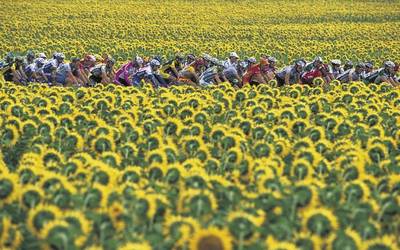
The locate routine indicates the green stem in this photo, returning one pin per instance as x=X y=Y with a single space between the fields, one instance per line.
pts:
x=240 y=241
x=199 y=207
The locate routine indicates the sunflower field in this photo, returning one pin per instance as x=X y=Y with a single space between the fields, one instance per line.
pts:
x=185 y=168
x=287 y=30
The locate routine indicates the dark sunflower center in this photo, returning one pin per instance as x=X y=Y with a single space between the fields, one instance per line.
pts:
x=210 y=243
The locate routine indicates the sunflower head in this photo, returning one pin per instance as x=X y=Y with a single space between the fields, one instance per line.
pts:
x=136 y=246
x=243 y=226
x=211 y=239
x=320 y=221
x=41 y=215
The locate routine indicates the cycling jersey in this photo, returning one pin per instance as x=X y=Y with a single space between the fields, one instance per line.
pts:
x=294 y=76
x=250 y=72
x=345 y=76
x=62 y=72
x=166 y=69
x=32 y=68
x=124 y=74
x=207 y=77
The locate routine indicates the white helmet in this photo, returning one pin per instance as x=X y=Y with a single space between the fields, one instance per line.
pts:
x=272 y=59
x=300 y=63
x=139 y=60
x=233 y=54
x=252 y=60
x=318 y=59
x=154 y=62
x=336 y=62
x=42 y=55
x=389 y=64
x=40 y=60
x=207 y=57
x=60 y=56
x=91 y=58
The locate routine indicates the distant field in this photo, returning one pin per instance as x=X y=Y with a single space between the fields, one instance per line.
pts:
x=286 y=29
x=201 y=168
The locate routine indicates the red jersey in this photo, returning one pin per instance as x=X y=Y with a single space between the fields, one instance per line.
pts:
x=252 y=71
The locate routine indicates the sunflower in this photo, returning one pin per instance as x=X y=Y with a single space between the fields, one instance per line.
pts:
x=301 y=169
x=196 y=178
x=9 y=187
x=203 y=153
x=303 y=144
x=5 y=224
x=306 y=196
x=111 y=158
x=320 y=221
x=357 y=190
x=116 y=212
x=175 y=173
x=275 y=244
x=52 y=182
x=192 y=163
x=211 y=238
x=128 y=150
x=146 y=204
x=31 y=196
x=394 y=182
x=157 y=171
x=81 y=225
x=197 y=202
x=307 y=241
x=29 y=128
x=234 y=155
x=56 y=235
x=41 y=215
x=377 y=152
x=191 y=144
x=103 y=143
x=130 y=174
x=264 y=178
x=180 y=227
x=96 y=197
x=261 y=150
x=386 y=242
x=10 y=236
x=136 y=246
x=10 y=135
x=173 y=126
x=51 y=155
x=218 y=132
x=243 y=226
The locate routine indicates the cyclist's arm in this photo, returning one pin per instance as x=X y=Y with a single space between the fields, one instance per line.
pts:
x=287 y=78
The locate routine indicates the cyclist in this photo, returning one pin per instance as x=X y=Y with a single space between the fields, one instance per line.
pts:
x=65 y=73
x=170 y=70
x=34 y=71
x=335 y=68
x=230 y=69
x=50 y=67
x=316 y=63
x=253 y=74
x=348 y=65
x=102 y=73
x=124 y=75
x=350 y=75
x=6 y=67
x=211 y=75
x=387 y=74
x=290 y=74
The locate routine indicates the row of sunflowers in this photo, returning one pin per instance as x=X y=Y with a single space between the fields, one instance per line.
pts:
x=287 y=30
x=184 y=168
